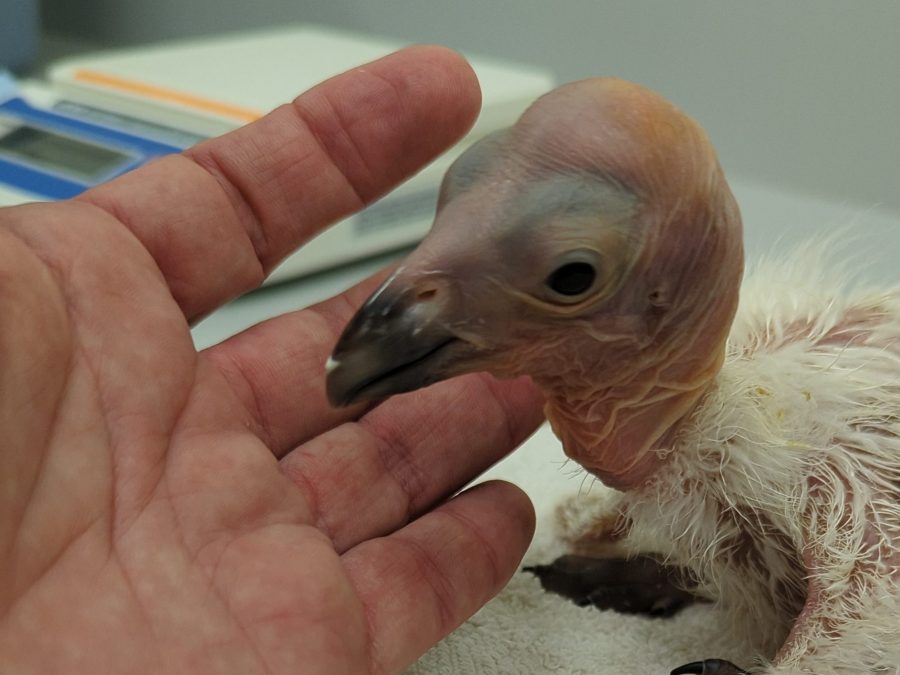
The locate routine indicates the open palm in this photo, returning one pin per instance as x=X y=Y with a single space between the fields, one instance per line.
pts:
x=163 y=510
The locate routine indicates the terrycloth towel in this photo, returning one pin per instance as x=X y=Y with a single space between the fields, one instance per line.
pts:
x=526 y=631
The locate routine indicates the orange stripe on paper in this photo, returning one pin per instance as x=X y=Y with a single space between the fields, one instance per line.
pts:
x=169 y=95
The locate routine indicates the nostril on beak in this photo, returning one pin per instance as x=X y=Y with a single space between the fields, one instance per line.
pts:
x=429 y=300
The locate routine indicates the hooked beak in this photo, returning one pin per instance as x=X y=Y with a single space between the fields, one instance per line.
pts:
x=399 y=341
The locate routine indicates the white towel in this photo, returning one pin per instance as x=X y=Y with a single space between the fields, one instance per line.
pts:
x=525 y=631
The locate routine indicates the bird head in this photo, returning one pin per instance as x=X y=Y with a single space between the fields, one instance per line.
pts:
x=594 y=246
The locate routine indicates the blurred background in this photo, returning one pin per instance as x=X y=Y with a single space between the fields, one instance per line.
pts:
x=802 y=93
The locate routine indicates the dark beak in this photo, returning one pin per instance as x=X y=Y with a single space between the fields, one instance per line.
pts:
x=399 y=341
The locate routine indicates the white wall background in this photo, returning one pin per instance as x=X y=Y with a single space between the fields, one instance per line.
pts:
x=801 y=93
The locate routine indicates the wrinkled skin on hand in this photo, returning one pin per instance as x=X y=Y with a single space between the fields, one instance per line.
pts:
x=163 y=510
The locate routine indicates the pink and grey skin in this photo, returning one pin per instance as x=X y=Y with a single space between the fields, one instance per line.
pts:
x=594 y=246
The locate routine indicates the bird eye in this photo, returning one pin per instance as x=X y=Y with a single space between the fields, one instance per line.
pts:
x=572 y=279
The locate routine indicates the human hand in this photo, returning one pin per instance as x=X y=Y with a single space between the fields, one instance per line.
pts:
x=163 y=510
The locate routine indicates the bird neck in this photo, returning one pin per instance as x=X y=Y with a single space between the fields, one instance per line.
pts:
x=624 y=430
x=623 y=434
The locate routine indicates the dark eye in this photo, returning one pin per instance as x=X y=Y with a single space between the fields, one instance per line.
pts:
x=572 y=279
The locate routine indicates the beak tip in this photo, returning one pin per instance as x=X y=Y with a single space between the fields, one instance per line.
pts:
x=338 y=396
x=392 y=345
x=343 y=385
x=331 y=364
x=332 y=391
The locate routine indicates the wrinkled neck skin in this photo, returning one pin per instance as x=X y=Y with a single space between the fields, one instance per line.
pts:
x=622 y=433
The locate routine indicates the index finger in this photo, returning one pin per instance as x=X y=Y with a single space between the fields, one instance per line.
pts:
x=217 y=218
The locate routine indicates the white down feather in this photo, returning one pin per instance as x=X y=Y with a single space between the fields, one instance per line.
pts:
x=794 y=456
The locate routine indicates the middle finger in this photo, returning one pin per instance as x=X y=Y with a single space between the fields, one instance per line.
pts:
x=367 y=478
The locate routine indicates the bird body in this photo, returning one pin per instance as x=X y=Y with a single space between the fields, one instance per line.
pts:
x=780 y=492
x=596 y=247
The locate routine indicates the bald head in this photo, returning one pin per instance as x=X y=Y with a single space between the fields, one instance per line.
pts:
x=594 y=245
x=620 y=129
x=600 y=162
